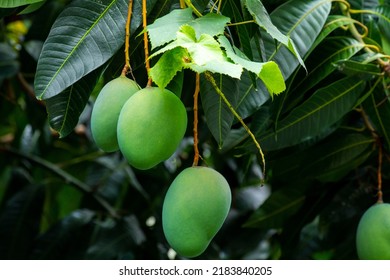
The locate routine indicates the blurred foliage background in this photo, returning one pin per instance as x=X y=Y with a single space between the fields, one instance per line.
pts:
x=62 y=198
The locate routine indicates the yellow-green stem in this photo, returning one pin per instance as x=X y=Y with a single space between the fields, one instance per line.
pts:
x=211 y=79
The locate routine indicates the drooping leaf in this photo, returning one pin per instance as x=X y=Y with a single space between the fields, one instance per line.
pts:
x=337 y=157
x=32 y=7
x=232 y=9
x=168 y=65
x=364 y=70
x=268 y=72
x=84 y=36
x=218 y=116
x=384 y=26
x=64 y=109
x=322 y=61
x=262 y=18
x=302 y=21
x=325 y=107
x=377 y=107
x=251 y=97
x=16 y=3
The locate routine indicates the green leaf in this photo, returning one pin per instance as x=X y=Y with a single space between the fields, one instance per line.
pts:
x=204 y=54
x=32 y=7
x=268 y=72
x=16 y=3
x=332 y=23
x=168 y=65
x=84 y=36
x=164 y=29
x=218 y=116
x=302 y=21
x=251 y=97
x=377 y=107
x=322 y=61
x=232 y=9
x=363 y=70
x=324 y=108
x=64 y=109
x=336 y=156
x=384 y=26
x=281 y=205
x=262 y=18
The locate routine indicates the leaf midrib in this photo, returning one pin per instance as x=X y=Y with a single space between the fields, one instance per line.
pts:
x=314 y=111
x=76 y=47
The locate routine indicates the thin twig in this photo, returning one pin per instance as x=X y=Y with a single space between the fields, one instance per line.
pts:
x=68 y=178
x=211 y=79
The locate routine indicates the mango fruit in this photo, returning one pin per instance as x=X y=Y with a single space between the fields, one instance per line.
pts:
x=194 y=209
x=151 y=125
x=373 y=233
x=106 y=110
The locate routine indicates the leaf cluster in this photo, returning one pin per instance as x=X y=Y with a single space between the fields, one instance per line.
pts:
x=309 y=78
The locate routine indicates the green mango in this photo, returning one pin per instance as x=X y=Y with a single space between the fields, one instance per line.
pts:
x=195 y=208
x=373 y=233
x=106 y=110
x=151 y=125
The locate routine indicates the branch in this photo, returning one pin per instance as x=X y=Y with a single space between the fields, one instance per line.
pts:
x=68 y=178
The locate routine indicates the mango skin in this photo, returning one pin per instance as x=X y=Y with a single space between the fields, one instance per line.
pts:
x=373 y=233
x=106 y=110
x=151 y=125
x=195 y=208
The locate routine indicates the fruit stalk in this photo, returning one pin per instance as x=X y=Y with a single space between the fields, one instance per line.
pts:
x=196 y=95
x=380 y=158
x=127 y=66
x=146 y=41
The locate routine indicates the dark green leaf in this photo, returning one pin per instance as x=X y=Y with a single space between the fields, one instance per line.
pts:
x=302 y=21
x=32 y=8
x=281 y=205
x=16 y=3
x=218 y=116
x=64 y=109
x=363 y=70
x=318 y=113
x=322 y=61
x=336 y=157
x=84 y=36
x=259 y=13
x=378 y=109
